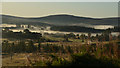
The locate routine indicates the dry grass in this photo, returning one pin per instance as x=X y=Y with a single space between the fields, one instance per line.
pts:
x=20 y=59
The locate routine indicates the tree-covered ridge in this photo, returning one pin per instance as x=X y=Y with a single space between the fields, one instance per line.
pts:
x=75 y=29
x=83 y=29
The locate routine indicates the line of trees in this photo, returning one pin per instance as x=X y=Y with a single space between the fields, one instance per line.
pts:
x=76 y=29
x=20 y=47
x=105 y=36
x=26 y=34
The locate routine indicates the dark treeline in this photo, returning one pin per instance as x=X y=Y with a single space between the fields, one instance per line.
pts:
x=115 y=29
x=26 y=34
x=82 y=29
x=8 y=27
x=75 y=29
x=105 y=36
x=30 y=47
x=18 y=47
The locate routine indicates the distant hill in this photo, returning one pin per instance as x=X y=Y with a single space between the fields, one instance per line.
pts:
x=6 y=19
x=60 y=20
x=76 y=20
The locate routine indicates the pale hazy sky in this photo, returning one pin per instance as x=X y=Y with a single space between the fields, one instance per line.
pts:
x=39 y=9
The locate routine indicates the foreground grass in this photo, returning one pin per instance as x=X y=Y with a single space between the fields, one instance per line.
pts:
x=67 y=54
x=54 y=60
x=81 y=60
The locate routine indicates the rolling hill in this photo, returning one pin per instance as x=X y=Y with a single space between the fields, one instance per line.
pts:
x=60 y=20
x=6 y=19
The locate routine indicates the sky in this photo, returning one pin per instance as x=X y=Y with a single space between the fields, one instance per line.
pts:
x=39 y=9
x=60 y=0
